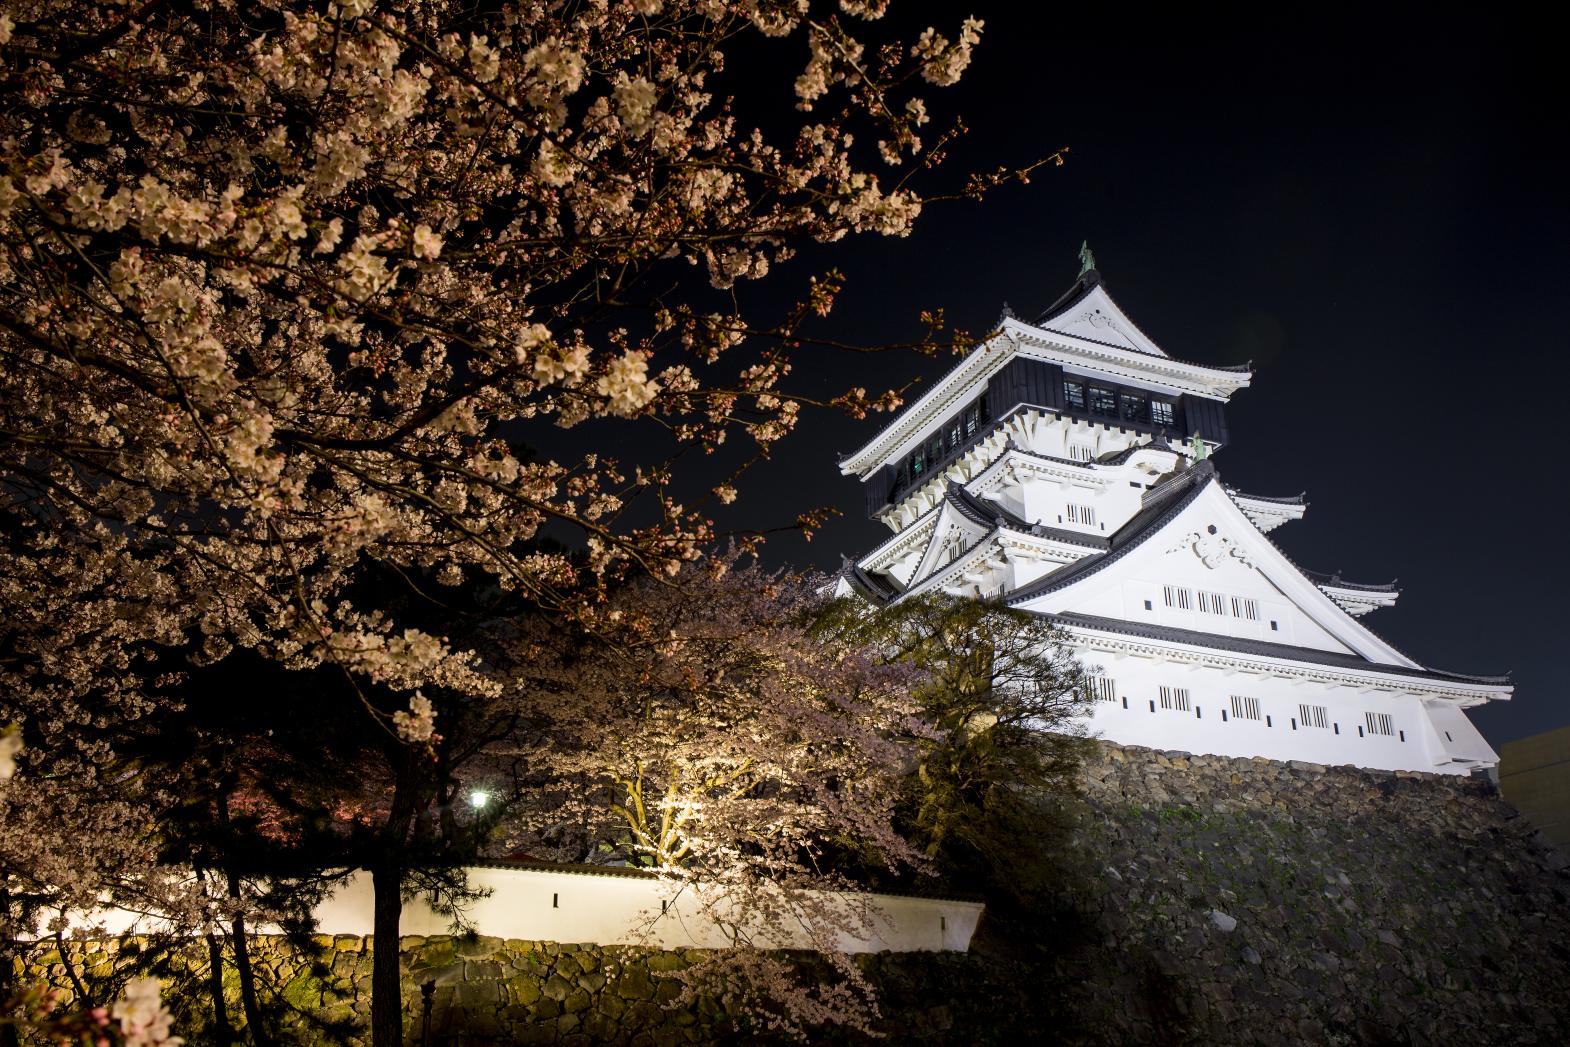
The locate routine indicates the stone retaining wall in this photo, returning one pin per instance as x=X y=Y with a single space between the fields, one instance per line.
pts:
x=487 y=991
x=1210 y=901
x=1252 y=902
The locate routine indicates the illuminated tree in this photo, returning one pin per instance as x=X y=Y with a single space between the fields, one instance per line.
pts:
x=284 y=283
x=711 y=737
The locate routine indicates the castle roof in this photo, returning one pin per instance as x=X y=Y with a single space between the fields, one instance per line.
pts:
x=1086 y=332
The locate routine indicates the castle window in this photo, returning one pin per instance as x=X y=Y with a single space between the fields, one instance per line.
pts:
x=1074 y=394
x=1214 y=603
x=1244 y=707
x=1080 y=453
x=1160 y=412
x=1101 y=689
x=1175 y=698
x=1082 y=514
x=1103 y=401
x=1314 y=715
x=918 y=462
x=1178 y=597
x=1243 y=607
x=954 y=434
x=1380 y=723
x=972 y=420
x=1132 y=406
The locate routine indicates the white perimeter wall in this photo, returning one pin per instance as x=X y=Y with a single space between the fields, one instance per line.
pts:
x=582 y=908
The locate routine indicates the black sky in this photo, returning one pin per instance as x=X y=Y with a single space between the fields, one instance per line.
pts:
x=1372 y=207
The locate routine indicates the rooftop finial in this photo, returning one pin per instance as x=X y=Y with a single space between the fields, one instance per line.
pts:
x=1087 y=261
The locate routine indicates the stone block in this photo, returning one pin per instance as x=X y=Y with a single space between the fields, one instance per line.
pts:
x=523 y=989
x=556 y=988
x=635 y=984
x=479 y=946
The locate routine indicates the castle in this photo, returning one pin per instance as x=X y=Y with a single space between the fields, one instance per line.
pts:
x=1065 y=467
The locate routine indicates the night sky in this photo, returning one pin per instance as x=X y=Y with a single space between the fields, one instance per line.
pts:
x=1372 y=209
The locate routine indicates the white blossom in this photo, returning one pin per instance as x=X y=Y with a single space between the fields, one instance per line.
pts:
x=143 y=1020
x=426 y=244
x=418 y=725
x=626 y=385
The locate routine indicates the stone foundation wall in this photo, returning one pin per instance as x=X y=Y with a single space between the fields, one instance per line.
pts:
x=1206 y=900
x=487 y=991
x=1252 y=902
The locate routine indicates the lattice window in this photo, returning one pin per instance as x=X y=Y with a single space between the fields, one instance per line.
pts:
x=1380 y=723
x=1160 y=412
x=1214 y=603
x=1074 y=394
x=1132 y=407
x=1103 y=401
x=1081 y=453
x=1082 y=514
x=1101 y=689
x=1313 y=715
x=1244 y=607
x=1175 y=698
x=1244 y=707
x=1178 y=597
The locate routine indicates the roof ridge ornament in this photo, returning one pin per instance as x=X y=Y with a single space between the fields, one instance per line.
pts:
x=1087 y=260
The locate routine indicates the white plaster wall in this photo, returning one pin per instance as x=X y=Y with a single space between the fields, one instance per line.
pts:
x=1131 y=720
x=546 y=905
x=576 y=907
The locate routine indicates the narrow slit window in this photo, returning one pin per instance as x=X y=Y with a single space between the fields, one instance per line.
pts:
x=1244 y=607
x=1177 y=596
x=1313 y=715
x=1244 y=707
x=1175 y=698
x=1102 y=689
x=1080 y=453
x=1380 y=723
x=1082 y=514
x=1215 y=603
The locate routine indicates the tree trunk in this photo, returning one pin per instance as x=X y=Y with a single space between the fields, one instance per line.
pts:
x=387 y=888
x=242 y=963
x=222 y=1030
x=386 y=975
x=254 y=1026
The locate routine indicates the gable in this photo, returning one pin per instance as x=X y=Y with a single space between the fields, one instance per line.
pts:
x=954 y=534
x=1097 y=318
x=1210 y=548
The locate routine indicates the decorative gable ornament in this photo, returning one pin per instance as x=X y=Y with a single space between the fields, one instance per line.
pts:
x=1212 y=547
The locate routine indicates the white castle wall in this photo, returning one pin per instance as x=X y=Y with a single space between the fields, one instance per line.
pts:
x=1136 y=717
x=584 y=907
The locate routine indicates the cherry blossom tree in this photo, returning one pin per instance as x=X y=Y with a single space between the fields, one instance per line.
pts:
x=710 y=737
x=284 y=285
